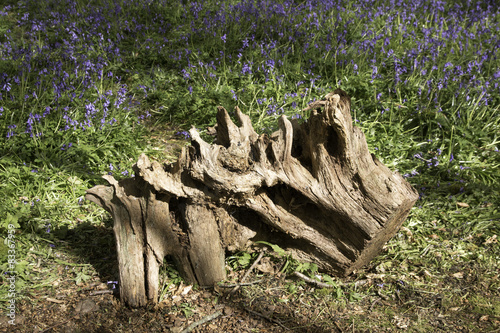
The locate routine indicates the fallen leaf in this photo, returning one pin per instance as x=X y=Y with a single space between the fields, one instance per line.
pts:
x=360 y=283
x=484 y=318
x=462 y=204
x=458 y=275
x=375 y=276
x=427 y=273
x=86 y=306
x=455 y=309
x=401 y=322
x=53 y=300
x=186 y=290
x=180 y=288
x=406 y=231
x=434 y=236
x=265 y=266
x=491 y=240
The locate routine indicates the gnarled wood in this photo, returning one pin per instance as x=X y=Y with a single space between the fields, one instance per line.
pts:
x=312 y=188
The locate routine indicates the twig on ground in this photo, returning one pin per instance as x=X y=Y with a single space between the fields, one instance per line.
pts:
x=261 y=254
x=100 y=292
x=375 y=302
x=337 y=325
x=238 y=284
x=312 y=281
x=385 y=298
x=277 y=322
x=202 y=321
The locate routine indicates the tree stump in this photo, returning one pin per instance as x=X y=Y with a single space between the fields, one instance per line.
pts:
x=313 y=188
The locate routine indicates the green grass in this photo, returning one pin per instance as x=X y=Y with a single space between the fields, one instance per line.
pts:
x=424 y=84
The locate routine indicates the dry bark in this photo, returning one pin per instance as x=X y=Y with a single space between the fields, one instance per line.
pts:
x=313 y=188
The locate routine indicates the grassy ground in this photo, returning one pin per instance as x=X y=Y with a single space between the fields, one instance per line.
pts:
x=86 y=86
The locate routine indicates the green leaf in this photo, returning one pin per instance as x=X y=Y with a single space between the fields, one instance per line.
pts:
x=244 y=259
x=275 y=248
x=328 y=279
x=82 y=277
x=11 y=219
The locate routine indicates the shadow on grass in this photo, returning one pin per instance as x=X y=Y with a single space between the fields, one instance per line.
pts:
x=95 y=245
x=90 y=244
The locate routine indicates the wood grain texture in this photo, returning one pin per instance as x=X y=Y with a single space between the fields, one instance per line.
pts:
x=313 y=188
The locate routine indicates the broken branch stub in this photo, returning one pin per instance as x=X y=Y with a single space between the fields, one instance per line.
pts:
x=313 y=188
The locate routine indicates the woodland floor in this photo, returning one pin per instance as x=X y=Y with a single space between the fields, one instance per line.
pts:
x=267 y=306
x=278 y=303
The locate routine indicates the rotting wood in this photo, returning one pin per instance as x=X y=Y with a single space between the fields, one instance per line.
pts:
x=312 y=188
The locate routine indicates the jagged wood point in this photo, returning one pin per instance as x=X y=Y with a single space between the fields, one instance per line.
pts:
x=312 y=188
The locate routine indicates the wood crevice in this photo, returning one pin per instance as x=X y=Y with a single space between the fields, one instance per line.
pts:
x=313 y=188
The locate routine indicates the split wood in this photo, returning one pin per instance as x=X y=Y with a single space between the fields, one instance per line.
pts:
x=312 y=188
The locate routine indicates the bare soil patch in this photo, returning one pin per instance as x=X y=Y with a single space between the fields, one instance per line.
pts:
x=74 y=295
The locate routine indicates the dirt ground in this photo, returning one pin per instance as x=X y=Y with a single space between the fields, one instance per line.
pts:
x=75 y=295
x=275 y=303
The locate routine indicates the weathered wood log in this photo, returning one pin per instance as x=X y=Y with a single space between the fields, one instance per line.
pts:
x=313 y=188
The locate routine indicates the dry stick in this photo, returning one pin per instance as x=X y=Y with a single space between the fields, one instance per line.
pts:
x=337 y=324
x=373 y=304
x=312 y=281
x=266 y=317
x=252 y=267
x=247 y=273
x=202 y=321
x=385 y=298
x=238 y=284
x=100 y=292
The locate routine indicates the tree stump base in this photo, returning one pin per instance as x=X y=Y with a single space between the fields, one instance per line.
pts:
x=313 y=188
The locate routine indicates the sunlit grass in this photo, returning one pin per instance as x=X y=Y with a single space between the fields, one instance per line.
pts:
x=78 y=81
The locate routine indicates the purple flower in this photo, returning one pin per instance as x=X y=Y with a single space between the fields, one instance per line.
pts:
x=113 y=284
x=246 y=69
x=184 y=133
